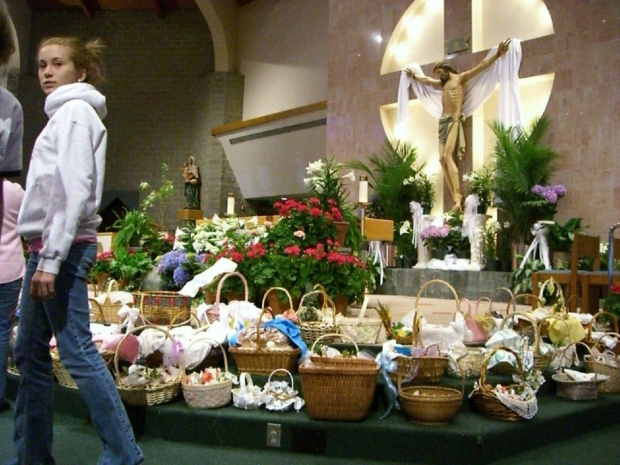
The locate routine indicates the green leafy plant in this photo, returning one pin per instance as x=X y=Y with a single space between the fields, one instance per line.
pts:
x=481 y=183
x=560 y=237
x=130 y=268
x=521 y=162
x=156 y=199
x=396 y=181
x=134 y=229
x=521 y=278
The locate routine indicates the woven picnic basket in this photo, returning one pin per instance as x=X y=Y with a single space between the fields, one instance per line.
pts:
x=603 y=363
x=213 y=314
x=428 y=368
x=484 y=399
x=163 y=307
x=262 y=360
x=431 y=405
x=212 y=395
x=578 y=390
x=590 y=341
x=362 y=329
x=313 y=329
x=338 y=388
x=147 y=394
x=108 y=312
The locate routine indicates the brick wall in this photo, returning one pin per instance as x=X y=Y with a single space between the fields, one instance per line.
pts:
x=163 y=99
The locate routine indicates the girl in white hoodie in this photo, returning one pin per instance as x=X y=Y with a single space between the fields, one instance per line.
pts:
x=59 y=220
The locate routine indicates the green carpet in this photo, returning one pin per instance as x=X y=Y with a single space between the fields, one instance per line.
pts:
x=176 y=430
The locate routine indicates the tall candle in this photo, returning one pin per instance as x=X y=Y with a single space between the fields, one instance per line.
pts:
x=363 y=190
x=230 y=204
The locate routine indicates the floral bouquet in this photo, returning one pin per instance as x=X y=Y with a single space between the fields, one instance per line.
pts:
x=481 y=184
x=546 y=199
x=178 y=266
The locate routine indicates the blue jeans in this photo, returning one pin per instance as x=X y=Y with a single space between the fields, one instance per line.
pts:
x=9 y=296
x=67 y=316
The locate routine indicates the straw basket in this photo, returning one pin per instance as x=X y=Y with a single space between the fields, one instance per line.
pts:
x=603 y=364
x=108 y=312
x=213 y=314
x=338 y=388
x=246 y=396
x=149 y=394
x=470 y=362
x=311 y=330
x=478 y=326
x=163 y=307
x=61 y=374
x=484 y=399
x=260 y=360
x=430 y=368
x=578 y=390
x=614 y=321
x=540 y=361
x=361 y=329
x=212 y=395
x=430 y=405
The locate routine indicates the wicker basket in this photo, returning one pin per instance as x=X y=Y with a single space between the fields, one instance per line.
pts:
x=484 y=399
x=430 y=405
x=61 y=374
x=149 y=394
x=470 y=362
x=213 y=314
x=541 y=361
x=211 y=395
x=361 y=329
x=163 y=307
x=108 y=311
x=614 y=321
x=578 y=390
x=430 y=368
x=311 y=330
x=600 y=364
x=338 y=389
x=262 y=361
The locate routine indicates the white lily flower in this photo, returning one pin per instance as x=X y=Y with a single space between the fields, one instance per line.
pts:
x=405 y=227
x=350 y=176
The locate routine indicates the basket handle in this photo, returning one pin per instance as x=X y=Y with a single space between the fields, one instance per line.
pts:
x=326 y=301
x=99 y=310
x=483 y=299
x=468 y=302
x=264 y=308
x=334 y=335
x=515 y=298
x=548 y=284
x=120 y=343
x=598 y=314
x=200 y=339
x=483 y=372
x=218 y=292
x=245 y=378
x=285 y=371
x=417 y=317
x=509 y=292
x=112 y=286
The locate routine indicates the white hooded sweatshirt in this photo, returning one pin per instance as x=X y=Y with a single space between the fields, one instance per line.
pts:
x=66 y=173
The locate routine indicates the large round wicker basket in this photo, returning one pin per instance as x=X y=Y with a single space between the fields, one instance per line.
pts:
x=338 y=388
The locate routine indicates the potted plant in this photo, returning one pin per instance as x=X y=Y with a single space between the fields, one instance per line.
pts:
x=489 y=246
x=325 y=184
x=481 y=183
x=560 y=239
x=129 y=268
x=156 y=199
x=178 y=266
x=396 y=182
x=522 y=162
x=135 y=230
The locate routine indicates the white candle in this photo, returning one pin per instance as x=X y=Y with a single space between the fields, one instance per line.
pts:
x=230 y=204
x=363 y=190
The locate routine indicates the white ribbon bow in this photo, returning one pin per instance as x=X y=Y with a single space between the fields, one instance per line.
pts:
x=539 y=243
x=469 y=216
x=130 y=315
x=374 y=249
x=417 y=215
